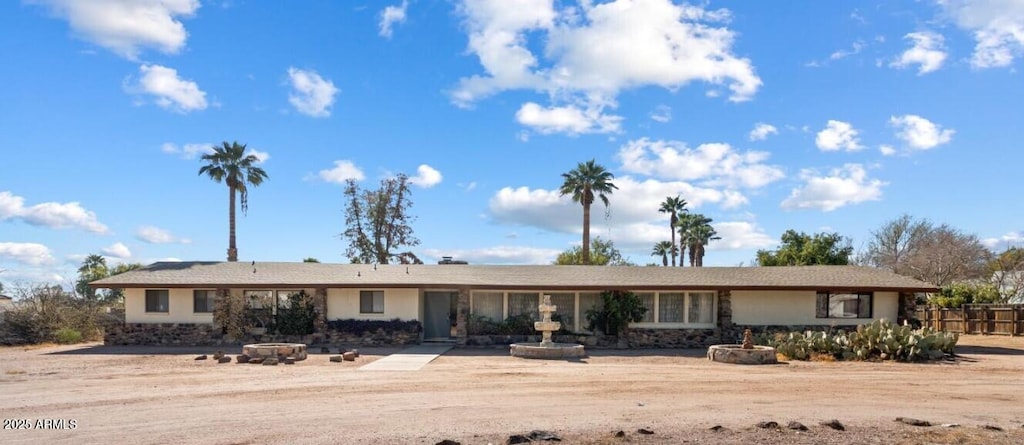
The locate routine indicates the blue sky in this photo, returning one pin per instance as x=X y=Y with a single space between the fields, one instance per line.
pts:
x=765 y=116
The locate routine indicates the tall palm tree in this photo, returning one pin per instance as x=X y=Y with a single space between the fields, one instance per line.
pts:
x=230 y=164
x=702 y=234
x=582 y=183
x=662 y=249
x=684 y=226
x=673 y=206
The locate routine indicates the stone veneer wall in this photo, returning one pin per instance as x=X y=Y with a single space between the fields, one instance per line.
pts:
x=195 y=334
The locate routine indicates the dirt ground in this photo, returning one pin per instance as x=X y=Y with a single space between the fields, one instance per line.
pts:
x=136 y=395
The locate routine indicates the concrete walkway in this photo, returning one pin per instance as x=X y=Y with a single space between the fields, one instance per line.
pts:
x=412 y=358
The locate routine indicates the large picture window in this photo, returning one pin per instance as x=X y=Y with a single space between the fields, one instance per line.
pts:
x=156 y=300
x=203 y=301
x=488 y=304
x=524 y=303
x=844 y=305
x=371 y=302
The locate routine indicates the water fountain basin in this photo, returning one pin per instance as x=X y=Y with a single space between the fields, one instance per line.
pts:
x=736 y=354
x=553 y=351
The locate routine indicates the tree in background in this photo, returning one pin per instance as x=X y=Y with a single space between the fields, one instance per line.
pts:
x=893 y=244
x=310 y=260
x=674 y=206
x=938 y=254
x=958 y=294
x=230 y=164
x=801 y=249
x=662 y=249
x=117 y=295
x=377 y=222
x=1007 y=272
x=695 y=232
x=604 y=254
x=94 y=267
x=582 y=183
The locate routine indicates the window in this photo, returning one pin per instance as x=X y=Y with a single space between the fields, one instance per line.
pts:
x=524 y=303
x=156 y=300
x=647 y=299
x=203 y=301
x=566 y=308
x=844 y=305
x=670 y=307
x=371 y=302
x=701 y=306
x=259 y=299
x=488 y=304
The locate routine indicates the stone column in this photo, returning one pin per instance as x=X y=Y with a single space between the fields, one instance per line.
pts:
x=727 y=331
x=320 y=309
x=461 y=316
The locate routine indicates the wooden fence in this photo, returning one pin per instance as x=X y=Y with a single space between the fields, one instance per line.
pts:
x=996 y=319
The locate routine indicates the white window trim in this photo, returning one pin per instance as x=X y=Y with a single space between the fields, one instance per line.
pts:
x=656 y=324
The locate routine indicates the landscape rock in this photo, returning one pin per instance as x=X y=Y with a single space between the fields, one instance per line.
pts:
x=834 y=424
x=349 y=356
x=794 y=425
x=620 y=433
x=517 y=438
x=201 y=357
x=224 y=359
x=950 y=425
x=768 y=424
x=543 y=435
x=288 y=361
x=355 y=351
x=448 y=442
x=336 y=358
x=717 y=428
x=992 y=427
x=242 y=358
x=645 y=431
x=270 y=362
x=913 y=422
x=255 y=360
x=218 y=355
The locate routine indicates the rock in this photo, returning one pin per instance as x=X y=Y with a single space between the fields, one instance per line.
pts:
x=912 y=421
x=768 y=424
x=255 y=360
x=242 y=358
x=950 y=425
x=270 y=362
x=224 y=359
x=201 y=357
x=355 y=351
x=620 y=433
x=288 y=361
x=349 y=356
x=326 y=350
x=992 y=427
x=336 y=358
x=717 y=428
x=517 y=438
x=218 y=355
x=645 y=431
x=794 y=425
x=543 y=435
x=446 y=441
x=834 y=424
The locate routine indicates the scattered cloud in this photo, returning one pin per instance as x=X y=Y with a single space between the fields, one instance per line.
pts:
x=838 y=135
x=927 y=52
x=589 y=57
x=713 y=164
x=156 y=235
x=426 y=177
x=761 y=131
x=499 y=255
x=997 y=27
x=343 y=171
x=887 y=150
x=32 y=254
x=841 y=187
x=390 y=16
x=662 y=113
x=127 y=26
x=117 y=250
x=740 y=235
x=920 y=133
x=261 y=156
x=187 y=151
x=1010 y=239
x=855 y=48
x=311 y=94
x=54 y=215
x=170 y=91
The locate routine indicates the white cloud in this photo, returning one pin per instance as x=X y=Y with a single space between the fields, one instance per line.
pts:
x=569 y=119
x=499 y=255
x=838 y=135
x=117 y=250
x=713 y=164
x=920 y=133
x=127 y=26
x=761 y=131
x=187 y=151
x=593 y=51
x=928 y=52
x=1010 y=239
x=33 y=254
x=997 y=27
x=856 y=48
x=740 y=235
x=342 y=171
x=663 y=114
x=311 y=94
x=54 y=215
x=426 y=177
x=156 y=235
x=171 y=92
x=843 y=186
x=392 y=15
x=887 y=150
x=261 y=156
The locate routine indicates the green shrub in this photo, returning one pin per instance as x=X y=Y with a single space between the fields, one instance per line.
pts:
x=296 y=316
x=959 y=294
x=879 y=340
x=617 y=311
x=67 y=336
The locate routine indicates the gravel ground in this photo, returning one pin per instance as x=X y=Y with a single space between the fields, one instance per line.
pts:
x=137 y=395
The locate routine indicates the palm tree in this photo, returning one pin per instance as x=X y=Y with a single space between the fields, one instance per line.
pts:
x=662 y=249
x=684 y=226
x=94 y=267
x=582 y=182
x=673 y=206
x=702 y=234
x=230 y=164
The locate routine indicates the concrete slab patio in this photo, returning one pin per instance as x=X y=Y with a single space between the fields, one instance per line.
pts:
x=412 y=358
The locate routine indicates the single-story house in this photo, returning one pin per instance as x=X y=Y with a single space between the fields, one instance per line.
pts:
x=686 y=306
x=5 y=302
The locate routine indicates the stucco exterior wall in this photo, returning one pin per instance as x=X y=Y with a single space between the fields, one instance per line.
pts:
x=400 y=303
x=179 y=308
x=797 y=308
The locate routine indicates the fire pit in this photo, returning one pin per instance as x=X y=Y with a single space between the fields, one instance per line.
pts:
x=745 y=354
x=296 y=351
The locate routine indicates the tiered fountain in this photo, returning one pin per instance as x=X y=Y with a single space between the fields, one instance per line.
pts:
x=547 y=349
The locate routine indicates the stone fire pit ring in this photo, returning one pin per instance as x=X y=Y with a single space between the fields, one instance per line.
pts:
x=736 y=354
x=296 y=351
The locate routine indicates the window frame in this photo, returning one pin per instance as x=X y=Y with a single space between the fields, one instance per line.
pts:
x=833 y=293
x=165 y=295
x=685 y=316
x=211 y=300
x=372 y=294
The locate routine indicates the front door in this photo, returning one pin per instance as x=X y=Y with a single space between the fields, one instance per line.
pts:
x=437 y=315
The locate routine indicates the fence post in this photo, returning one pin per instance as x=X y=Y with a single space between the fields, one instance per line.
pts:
x=1015 y=317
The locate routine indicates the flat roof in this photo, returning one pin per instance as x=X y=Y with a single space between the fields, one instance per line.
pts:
x=214 y=274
